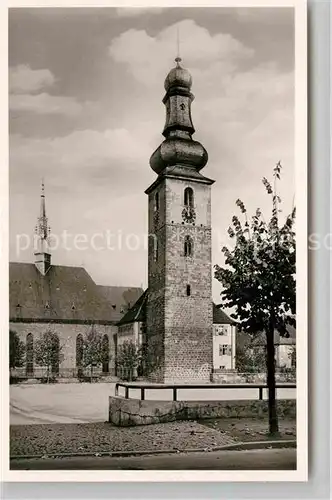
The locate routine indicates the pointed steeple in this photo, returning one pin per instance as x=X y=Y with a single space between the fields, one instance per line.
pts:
x=42 y=231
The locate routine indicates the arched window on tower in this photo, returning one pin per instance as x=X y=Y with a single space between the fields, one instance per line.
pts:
x=106 y=353
x=79 y=354
x=188 y=247
x=189 y=197
x=29 y=354
x=156 y=202
x=155 y=248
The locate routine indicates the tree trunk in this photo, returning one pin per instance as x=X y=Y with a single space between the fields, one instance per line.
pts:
x=271 y=383
x=48 y=374
x=91 y=370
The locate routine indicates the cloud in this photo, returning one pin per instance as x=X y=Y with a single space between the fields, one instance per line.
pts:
x=91 y=154
x=25 y=85
x=137 y=11
x=44 y=103
x=148 y=58
x=23 y=79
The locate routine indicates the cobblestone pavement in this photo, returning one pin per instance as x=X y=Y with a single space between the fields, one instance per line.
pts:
x=55 y=439
x=251 y=429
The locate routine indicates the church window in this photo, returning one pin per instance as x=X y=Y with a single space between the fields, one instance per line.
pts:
x=105 y=353
x=79 y=353
x=188 y=291
x=189 y=197
x=56 y=354
x=188 y=246
x=29 y=354
x=73 y=307
x=47 y=305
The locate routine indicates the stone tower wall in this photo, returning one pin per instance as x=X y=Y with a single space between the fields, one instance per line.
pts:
x=180 y=326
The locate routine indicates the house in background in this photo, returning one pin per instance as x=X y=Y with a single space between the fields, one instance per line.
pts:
x=284 y=346
x=224 y=340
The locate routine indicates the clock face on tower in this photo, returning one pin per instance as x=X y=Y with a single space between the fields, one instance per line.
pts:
x=188 y=214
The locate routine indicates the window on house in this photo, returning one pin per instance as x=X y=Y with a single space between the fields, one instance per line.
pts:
x=222 y=367
x=188 y=290
x=47 y=305
x=189 y=197
x=73 y=307
x=29 y=354
x=223 y=350
x=188 y=246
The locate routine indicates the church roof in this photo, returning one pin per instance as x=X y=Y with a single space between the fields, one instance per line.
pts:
x=65 y=293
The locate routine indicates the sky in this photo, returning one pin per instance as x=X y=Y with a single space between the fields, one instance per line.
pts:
x=86 y=113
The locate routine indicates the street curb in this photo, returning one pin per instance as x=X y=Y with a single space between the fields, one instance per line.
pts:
x=250 y=445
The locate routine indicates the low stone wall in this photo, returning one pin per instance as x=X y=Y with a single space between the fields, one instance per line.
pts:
x=128 y=412
x=233 y=377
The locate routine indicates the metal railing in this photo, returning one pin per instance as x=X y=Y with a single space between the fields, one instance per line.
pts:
x=176 y=387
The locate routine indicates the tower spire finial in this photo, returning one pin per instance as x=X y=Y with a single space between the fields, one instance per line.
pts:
x=178 y=58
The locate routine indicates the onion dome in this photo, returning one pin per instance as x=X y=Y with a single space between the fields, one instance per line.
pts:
x=178 y=77
x=179 y=152
x=178 y=148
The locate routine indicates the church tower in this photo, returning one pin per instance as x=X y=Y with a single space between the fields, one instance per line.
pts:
x=42 y=231
x=179 y=308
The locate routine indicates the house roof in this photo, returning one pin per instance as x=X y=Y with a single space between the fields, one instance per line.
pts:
x=137 y=312
x=220 y=317
x=243 y=339
x=64 y=293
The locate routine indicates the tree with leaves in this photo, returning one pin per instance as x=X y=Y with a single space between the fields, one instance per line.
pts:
x=16 y=350
x=250 y=358
x=259 y=278
x=93 y=352
x=129 y=359
x=48 y=353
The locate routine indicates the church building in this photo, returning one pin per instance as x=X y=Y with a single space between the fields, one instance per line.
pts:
x=66 y=301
